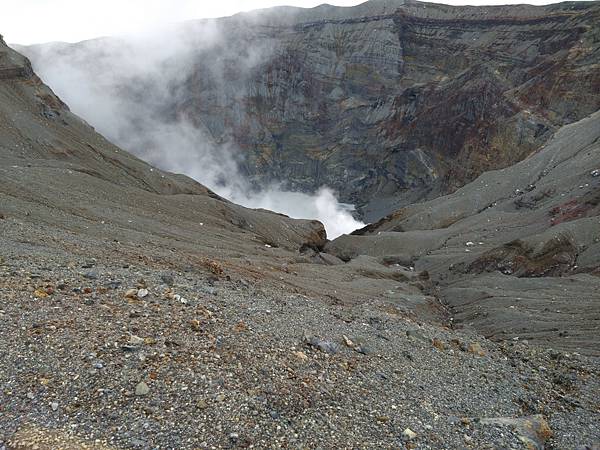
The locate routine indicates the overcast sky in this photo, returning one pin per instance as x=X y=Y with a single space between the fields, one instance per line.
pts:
x=35 y=21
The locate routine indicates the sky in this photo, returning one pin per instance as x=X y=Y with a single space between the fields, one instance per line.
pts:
x=37 y=21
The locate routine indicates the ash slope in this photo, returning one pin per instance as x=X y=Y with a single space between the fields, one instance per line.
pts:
x=386 y=102
x=59 y=174
x=139 y=311
x=516 y=253
x=55 y=164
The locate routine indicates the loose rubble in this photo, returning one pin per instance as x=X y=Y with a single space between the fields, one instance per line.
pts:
x=253 y=367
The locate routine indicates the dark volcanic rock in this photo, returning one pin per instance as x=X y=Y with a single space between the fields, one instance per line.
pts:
x=550 y=257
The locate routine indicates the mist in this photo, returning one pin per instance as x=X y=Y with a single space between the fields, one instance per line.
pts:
x=123 y=87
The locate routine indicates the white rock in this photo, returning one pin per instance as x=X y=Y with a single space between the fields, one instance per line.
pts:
x=409 y=434
x=142 y=389
x=135 y=340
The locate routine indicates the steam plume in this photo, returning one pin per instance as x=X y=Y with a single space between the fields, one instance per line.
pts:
x=122 y=85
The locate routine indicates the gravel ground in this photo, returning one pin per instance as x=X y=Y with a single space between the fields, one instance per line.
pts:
x=199 y=358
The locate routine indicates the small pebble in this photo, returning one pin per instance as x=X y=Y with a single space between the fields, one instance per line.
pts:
x=142 y=389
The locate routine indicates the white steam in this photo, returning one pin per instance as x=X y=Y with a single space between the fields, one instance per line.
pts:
x=121 y=86
x=322 y=205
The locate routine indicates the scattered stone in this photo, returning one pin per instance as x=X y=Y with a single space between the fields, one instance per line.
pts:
x=476 y=349
x=135 y=340
x=138 y=443
x=321 y=344
x=348 y=342
x=240 y=327
x=408 y=434
x=201 y=404
x=142 y=293
x=301 y=355
x=327 y=259
x=40 y=293
x=437 y=343
x=142 y=389
x=54 y=406
x=416 y=334
x=533 y=431
x=220 y=398
x=91 y=275
x=131 y=293
x=595 y=173
x=209 y=290
x=169 y=280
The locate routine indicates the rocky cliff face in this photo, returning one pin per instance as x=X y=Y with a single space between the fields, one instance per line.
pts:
x=385 y=102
